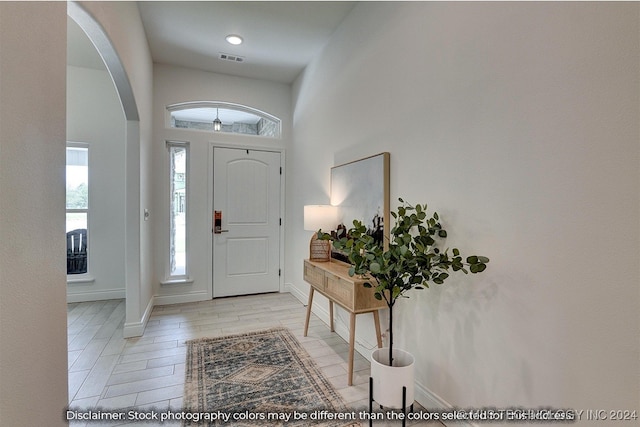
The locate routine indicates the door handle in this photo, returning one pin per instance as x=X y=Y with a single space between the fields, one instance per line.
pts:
x=217 y=223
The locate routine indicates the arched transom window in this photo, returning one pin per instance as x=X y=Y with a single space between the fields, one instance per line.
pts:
x=226 y=117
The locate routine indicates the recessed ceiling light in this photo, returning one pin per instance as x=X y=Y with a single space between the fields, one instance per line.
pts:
x=234 y=39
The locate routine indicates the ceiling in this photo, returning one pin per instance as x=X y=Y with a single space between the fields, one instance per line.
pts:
x=280 y=38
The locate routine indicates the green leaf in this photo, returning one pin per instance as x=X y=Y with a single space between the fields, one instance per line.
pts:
x=442 y=233
x=435 y=215
x=378 y=296
x=456 y=252
x=374 y=267
x=472 y=259
x=479 y=268
x=397 y=290
x=483 y=259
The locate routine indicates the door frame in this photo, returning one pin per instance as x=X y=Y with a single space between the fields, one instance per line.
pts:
x=281 y=151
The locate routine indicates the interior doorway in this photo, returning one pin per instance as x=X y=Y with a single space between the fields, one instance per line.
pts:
x=131 y=166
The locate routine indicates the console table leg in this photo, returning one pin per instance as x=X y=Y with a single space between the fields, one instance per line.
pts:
x=331 y=316
x=306 y=321
x=352 y=339
x=376 y=321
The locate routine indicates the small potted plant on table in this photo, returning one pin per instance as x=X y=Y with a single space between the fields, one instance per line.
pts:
x=411 y=260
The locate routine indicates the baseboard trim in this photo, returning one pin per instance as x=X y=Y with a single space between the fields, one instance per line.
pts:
x=431 y=401
x=96 y=295
x=296 y=292
x=136 y=329
x=182 y=298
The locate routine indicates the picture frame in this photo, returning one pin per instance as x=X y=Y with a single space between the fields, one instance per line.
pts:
x=360 y=190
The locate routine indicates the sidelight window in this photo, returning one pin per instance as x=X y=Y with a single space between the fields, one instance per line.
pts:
x=178 y=196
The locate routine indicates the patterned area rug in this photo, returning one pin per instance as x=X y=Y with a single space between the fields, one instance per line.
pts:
x=260 y=378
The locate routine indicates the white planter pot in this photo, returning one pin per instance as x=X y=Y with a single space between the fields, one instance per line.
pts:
x=389 y=380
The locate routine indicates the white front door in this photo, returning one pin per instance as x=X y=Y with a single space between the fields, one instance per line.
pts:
x=246 y=245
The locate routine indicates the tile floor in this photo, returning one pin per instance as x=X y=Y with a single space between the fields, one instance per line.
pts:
x=109 y=372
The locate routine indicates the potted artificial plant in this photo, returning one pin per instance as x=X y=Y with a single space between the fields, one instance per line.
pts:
x=411 y=260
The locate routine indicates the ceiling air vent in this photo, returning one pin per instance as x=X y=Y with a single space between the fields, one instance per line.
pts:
x=232 y=58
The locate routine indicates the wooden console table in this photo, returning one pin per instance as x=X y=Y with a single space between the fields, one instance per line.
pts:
x=332 y=280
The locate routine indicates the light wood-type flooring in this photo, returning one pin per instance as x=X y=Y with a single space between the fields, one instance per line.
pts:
x=144 y=373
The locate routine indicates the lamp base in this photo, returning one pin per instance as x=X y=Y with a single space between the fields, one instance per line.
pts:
x=319 y=250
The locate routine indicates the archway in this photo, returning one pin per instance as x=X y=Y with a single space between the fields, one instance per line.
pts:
x=97 y=35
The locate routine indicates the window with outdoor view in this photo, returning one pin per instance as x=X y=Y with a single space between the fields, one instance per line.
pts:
x=77 y=184
x=224 y=117
x=178 y=160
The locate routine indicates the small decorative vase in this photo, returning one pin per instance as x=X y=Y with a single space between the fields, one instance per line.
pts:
x=389 y=380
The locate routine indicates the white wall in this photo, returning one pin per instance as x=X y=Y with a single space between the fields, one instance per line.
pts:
x=94 y=116
x=518 y=123
x=174 y=85
x=33 y=312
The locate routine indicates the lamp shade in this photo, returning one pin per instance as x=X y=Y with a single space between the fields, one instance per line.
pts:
x=320 y=217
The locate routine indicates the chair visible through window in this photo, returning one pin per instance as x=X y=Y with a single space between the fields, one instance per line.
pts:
x=77 y=251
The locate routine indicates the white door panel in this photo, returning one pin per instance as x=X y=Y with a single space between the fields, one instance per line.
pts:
x=246 y=252
x=247 y=256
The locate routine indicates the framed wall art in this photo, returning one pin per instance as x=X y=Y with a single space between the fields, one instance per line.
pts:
x=360 y=190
